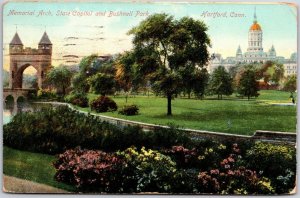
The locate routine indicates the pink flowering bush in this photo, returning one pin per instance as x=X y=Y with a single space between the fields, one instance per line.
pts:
x=230 y=178
x=89 y=170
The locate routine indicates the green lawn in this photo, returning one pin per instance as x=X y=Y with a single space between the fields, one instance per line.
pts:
x=230 y=115
x=31 y=166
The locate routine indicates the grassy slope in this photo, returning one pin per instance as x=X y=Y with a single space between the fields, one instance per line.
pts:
x=31 y=166
x=230 y=115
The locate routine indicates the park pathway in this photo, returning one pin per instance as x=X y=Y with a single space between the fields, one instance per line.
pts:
x=16 y=185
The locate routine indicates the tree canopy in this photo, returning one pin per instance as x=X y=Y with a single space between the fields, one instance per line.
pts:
x=101 y=83
x=60 y=78
x=163 y=46
x=248 y=85
x=221 y=82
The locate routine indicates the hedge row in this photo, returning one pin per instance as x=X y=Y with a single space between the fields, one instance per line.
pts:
x=53 y=130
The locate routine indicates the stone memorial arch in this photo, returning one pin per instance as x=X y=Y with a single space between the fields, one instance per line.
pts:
x=21 y=58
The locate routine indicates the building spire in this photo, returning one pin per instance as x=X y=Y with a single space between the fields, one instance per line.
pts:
x=255 y=19
x=45 y=40
x=16 y=40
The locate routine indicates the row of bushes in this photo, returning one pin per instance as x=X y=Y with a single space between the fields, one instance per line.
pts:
x=53 y=130
x=146 y=170
x=100 y=104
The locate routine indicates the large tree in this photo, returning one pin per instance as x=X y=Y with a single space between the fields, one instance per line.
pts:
x=248 y=85
x=221 y=82
x=163 y=45
x=60 y=78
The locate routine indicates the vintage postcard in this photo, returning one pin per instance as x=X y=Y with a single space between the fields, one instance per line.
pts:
x=149 y=97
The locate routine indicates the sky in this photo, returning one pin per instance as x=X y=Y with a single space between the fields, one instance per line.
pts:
x=228 y=26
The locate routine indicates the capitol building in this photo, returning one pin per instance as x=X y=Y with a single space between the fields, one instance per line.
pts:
x=254 y=53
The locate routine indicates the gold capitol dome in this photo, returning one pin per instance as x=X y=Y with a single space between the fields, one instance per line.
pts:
x=255 y=26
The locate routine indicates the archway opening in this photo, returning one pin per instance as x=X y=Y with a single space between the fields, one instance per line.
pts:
x=9 y=103
x=29 y=78
x=21 y=102
x=9 y=100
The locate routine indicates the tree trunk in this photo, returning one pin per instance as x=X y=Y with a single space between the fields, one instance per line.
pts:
x=64 y=90
x=248 y=97
x=169 y=96
x=189 y=95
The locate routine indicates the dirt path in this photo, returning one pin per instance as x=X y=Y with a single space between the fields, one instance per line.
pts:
x=16 y=185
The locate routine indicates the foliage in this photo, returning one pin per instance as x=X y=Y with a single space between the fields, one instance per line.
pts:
x=129 y=110
x=231 y=178
x=201 y=78
x=46 y=94
x=53 y=130
x=60 y=78
x=125 y=71
x=103 y=104
x=147 y=170
x=220 y=82
x=29 y=81
x=290 y=84
x=79 y=83
x=162 y=45
x=183 y=157
x=280 y=161
x=248 y=86
x=79 y=99
x=272 y=72
x=238 y=181
x=89 y=66
x=101 y=83
x=89 y=170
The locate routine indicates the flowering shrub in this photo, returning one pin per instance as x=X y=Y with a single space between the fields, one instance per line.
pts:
x=129 y=110
x=89 y=170
x=210 y=155
x=184 y=157
x=275 y=162
x=148 y=170
x=233 y=181
x=230 y=178
x=78 y=99
x=103 y=104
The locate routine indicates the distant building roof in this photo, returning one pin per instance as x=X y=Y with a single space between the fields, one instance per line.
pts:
x=16 y=40
x=45 y=39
